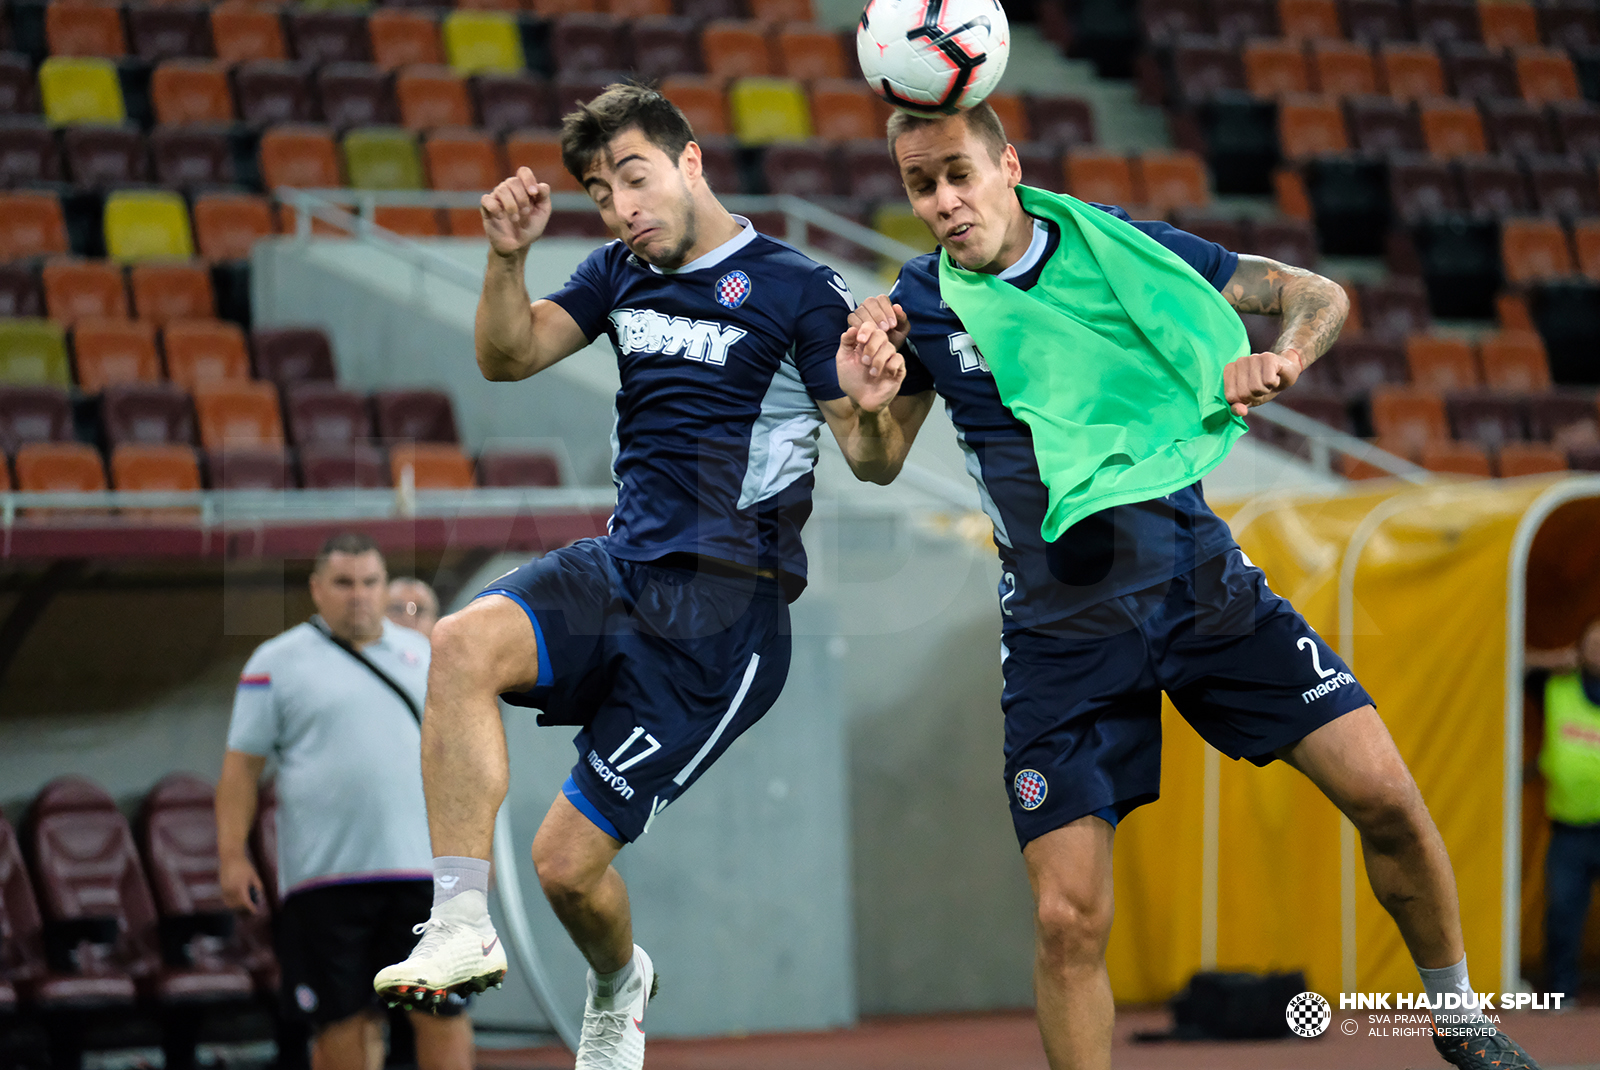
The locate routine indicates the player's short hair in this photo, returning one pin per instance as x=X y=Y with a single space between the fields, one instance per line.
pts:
x=980 y=119
x=350 y=542
x=624 y=105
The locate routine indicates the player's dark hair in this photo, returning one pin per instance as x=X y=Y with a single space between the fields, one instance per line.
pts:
x=980 y=119
x=624 y=105
x=351 y=542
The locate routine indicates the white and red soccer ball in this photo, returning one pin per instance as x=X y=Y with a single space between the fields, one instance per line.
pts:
x=933 y=57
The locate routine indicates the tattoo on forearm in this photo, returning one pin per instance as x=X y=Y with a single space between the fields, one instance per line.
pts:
x=1312 y=308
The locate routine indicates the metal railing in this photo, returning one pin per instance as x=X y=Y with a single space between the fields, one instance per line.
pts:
x=1325 y=441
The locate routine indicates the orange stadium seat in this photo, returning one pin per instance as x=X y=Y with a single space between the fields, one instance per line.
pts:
x=1343 y=68
x=1529 y=459
x=1105 y=177
x=1514 y=361
x=191 y=91
x=1451 y=127
x=1441 y=363
x=460 y=159
x=227 y=224
x=781 y=10
x=734 y=49
x=296 y=155
x=463 y=223
x=842 y=109
x=1506 y=25
x=1586 y=243
x=434 y=465
x=77 y=288
x=84 y=30
x=109 y=351
x=401 y=37
x=59 y=466
x=1164 y=180
x=238 y=414
x=1309 y=125
x=1272 y=67
x=1534 y=249
x=1013 y=115
x=701 y=101
x=1546 y=74
x=166 y=291
x=540 y=152
x=5 y=474
x=242 y=31
x=809 y=53
x=149 y=466
x=411 y=220
x=200 y=351
x=1407 y=419
x=1410 y=71
x=1309 y=20
x=1455 y=458
x=31 y=224
x=432 y=97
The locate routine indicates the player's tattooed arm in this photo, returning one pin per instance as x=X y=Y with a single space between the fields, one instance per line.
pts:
x=1312 y=308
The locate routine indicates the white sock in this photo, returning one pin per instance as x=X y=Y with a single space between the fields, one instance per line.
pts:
x=608 y=985
x=1453 y=979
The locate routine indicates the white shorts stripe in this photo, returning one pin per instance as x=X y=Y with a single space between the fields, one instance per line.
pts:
x=722 y=725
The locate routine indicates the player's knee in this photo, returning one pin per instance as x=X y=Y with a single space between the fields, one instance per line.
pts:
x=1072 y=927
x=482 y=648
x=1389 y=813
x=566 y=879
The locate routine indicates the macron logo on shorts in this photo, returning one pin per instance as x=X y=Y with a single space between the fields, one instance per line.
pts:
x=1327 y=687
x=615 y=781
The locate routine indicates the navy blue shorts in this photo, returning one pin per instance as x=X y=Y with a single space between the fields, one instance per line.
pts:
x=1082 y=696
x=662 y=668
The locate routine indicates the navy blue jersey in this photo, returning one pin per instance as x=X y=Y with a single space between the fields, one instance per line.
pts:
x=723 y=362
x=1111 y=553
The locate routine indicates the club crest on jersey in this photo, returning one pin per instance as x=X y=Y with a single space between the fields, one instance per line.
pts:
x=644 y=330
x=1031 y=788
x=732 y=289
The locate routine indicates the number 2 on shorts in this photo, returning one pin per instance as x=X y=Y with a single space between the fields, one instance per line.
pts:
x=1305 y=643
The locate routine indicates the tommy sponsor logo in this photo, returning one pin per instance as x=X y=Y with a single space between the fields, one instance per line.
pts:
x=962 y=347
x=617 y=782
x=643 y=330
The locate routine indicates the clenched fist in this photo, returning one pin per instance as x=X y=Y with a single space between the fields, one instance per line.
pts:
x=515 y=212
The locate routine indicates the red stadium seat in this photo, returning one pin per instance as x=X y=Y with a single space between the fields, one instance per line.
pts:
x=147 y=412
x=414 y=416
x=507 y=468
x=292 y=354
x=33 y=414
x=334 y=467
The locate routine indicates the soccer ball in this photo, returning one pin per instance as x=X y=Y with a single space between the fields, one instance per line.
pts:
x=933 y=57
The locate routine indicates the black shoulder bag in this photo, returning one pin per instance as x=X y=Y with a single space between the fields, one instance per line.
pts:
x=405 y=696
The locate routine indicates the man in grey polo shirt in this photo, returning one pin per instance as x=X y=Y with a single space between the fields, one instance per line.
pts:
x=336 y=703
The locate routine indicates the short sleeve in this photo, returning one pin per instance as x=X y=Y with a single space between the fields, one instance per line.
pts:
x=824 y=313
x=918 y=380
x=587 y=296
x=254 y=728
x=1214 y=263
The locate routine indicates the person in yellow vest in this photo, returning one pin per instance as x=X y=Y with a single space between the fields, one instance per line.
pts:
x=1570 y=762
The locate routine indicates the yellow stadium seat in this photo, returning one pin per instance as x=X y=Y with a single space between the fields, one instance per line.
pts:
x=482 y=41
x=382 y=157
x=33 y=352
x=81 y=89
x=147 y=224
x=765 y=110
x=895 y=220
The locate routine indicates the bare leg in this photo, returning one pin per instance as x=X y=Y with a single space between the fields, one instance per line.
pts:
x=353 y=1043
x=573 y=859
x=443 y=1043
x=483 y=650
x=1070 y=870
x=1355 y=763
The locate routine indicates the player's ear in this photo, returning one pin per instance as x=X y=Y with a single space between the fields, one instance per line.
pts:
x=690 y=162
x=1011 y=165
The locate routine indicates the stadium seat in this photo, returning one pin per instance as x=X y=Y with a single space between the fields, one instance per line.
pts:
x=1410 y=71
x=1362 y=362
x=262 y=468
x=76 y=288
x=21 y=293
x=512 y=101
x=318 y=37
x=146 y=412
x=433 y=465
x=401 y=38
x=382 y=157
x=1445 y=21
x=805 y=52
x=154 y=468
x=1309 y=20
x=734 y=49
x=1487 y=419
x=540 y=152
x=33 y=414
x=511 y=468
x=1286 y=241
x=84 y=30
x=1396 y=308
x=341 y=467
x=1310 y=126
x=102 y=156
x=59 y=467
x=1105 y=177
x=588 y=42
x=356 y=94
x=1441 y=364
x=1342 y=68
x=459 y=159
x=31 y=224
x=1586 y=243
x=1421 y=188
x=191 y=157
x=19 y=89
x=1406 y=420
x=168 y=31
x=242 y=31
x=1577 y=128
x=1450 y=127
x=663 y=46
x=705 y=10
x=843 y=110
x=163 y=292
x=1493 y=186
x=110 y=351
x=1455 y=458
x=550 y=9
x=1514 y=361
x=1515 y=127
x=33 y=352
x=1476 y=72
x=322 y=414
x=432 y=97
x=1571 y=25
x=806 y=168
x=227 y=224
x=777 y=11
x=479 y=42
x=1534 y=249
x=204 y=350
x=1164 y=180
x=1562 y=186
x=719 y=159
x=1506 y=24
x=1052 y=120
x=140 y=224
x=634 y=10
x=292 y=354
x=1239 y=20
x=234 y=414
x=868 y=173
x=701 y=101
x=191 y=91
x=80 y=90
x=1012 y=113
x=1273 y=67
x=414 y=416
x=1382 y=125
x=1565 y=419
x=574 y=86
x=765 y=110
x=272 y=92
x=409 y=220
x=1370 y=21
x=1545 y=74
x=300 y=156
x=1528 y=459
x=1164 y=21
x=1203 y=67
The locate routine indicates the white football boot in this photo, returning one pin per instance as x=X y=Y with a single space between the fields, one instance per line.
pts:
x=459 y=953
x=613 y=1026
